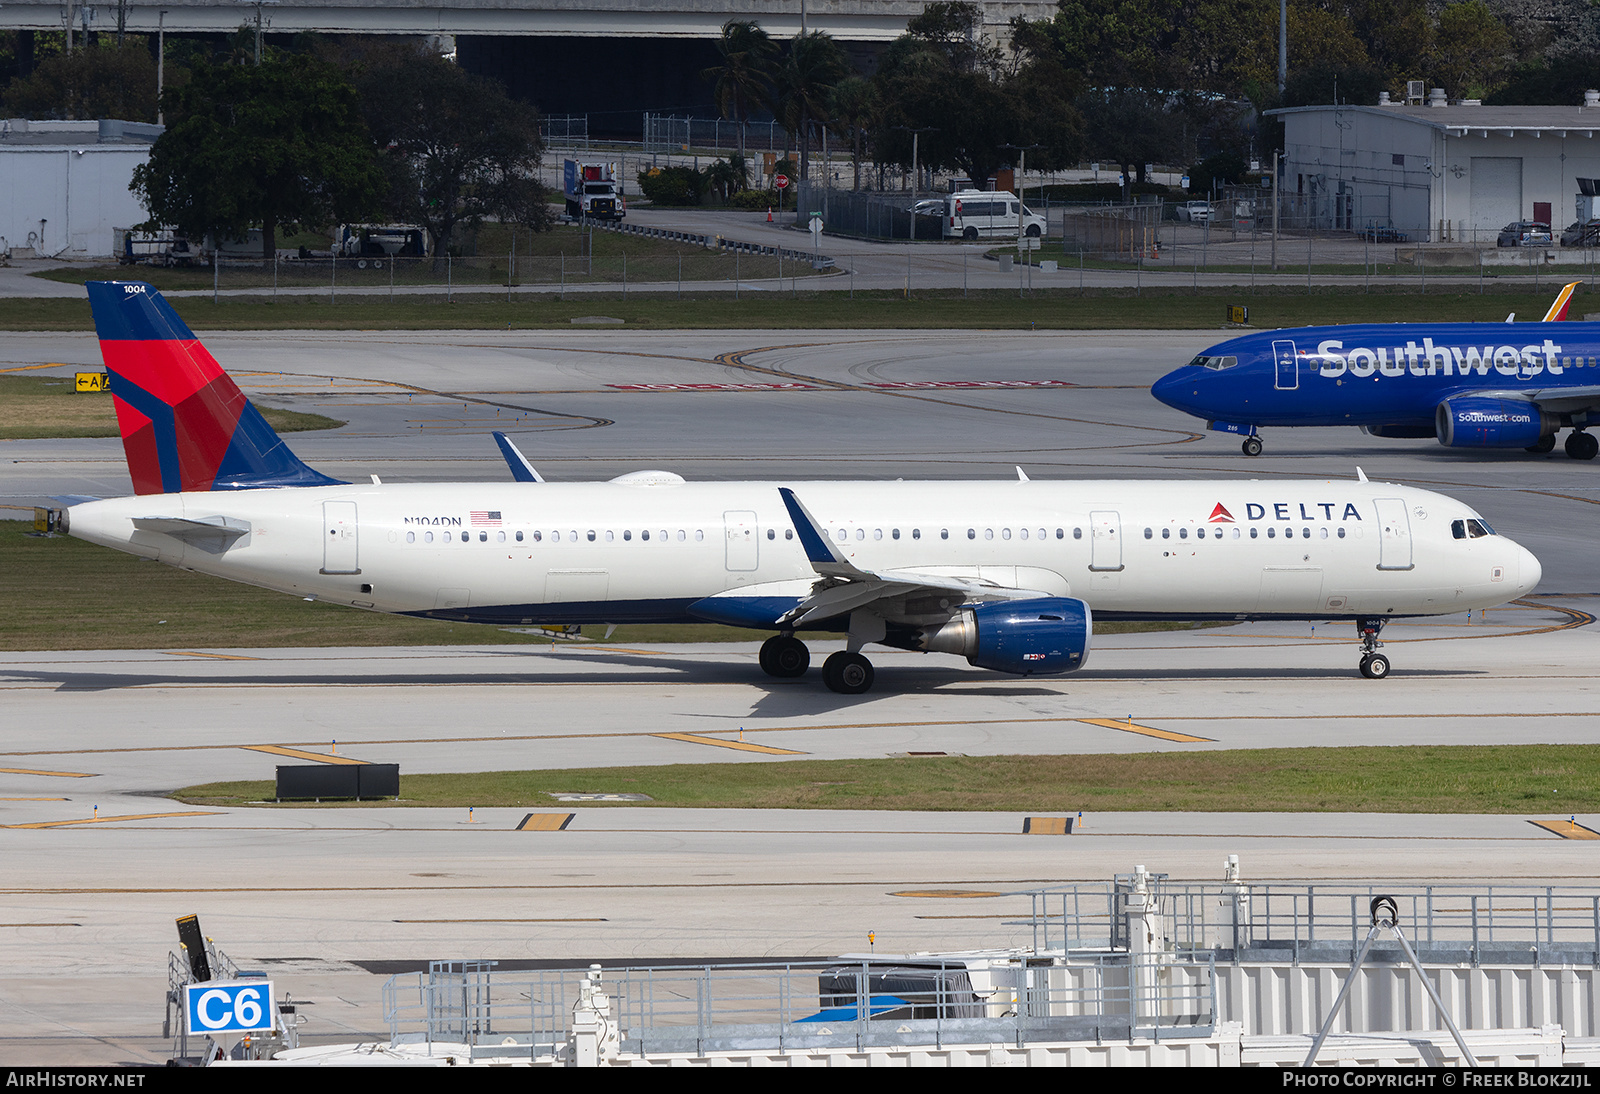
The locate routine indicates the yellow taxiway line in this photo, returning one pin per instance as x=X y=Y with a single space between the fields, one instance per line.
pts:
x=56 y=774
x=740 y=746
x=301 y=754
x=108 y=820
x=1127 y=725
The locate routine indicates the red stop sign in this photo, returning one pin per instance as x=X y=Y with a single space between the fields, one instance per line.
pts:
x=780 y=181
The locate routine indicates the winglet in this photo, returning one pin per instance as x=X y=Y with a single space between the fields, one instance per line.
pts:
x=812 y=537
x=1022 y=476
x=1361 y=476
x=1558 y=310
x=521 y=469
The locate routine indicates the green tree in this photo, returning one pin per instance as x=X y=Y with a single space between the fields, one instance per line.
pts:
x=854 y=109
x=804 y=83
x=458 y=149
x=105 y=81
x=743 y=81
x=280 y=145
x=1471 y=48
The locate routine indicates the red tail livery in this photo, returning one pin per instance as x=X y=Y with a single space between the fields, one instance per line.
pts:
x=185 y=424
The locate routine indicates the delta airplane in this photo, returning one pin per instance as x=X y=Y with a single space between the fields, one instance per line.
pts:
x=1010 y=575
x=1471 y=385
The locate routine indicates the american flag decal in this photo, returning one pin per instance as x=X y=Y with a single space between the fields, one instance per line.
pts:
x=485 y=516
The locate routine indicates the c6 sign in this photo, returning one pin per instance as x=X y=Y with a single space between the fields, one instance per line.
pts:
x=229 y=1006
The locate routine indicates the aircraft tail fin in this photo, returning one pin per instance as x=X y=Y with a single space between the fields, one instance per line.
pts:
x=185 y=424
x=1558 y=310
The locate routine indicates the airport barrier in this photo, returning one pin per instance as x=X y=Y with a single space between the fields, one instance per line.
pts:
x=318 y=781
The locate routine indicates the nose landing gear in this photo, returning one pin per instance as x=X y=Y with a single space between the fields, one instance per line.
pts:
x=1374 y=665
x=1252 y=445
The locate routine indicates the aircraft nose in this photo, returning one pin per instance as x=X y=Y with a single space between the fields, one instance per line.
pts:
x=1176 y=389
x=1529 y=571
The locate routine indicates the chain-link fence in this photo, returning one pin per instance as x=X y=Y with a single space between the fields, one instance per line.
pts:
x=665 y=133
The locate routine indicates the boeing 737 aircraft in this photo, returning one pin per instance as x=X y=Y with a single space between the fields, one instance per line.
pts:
x=1009 y=575
x=1471 y=385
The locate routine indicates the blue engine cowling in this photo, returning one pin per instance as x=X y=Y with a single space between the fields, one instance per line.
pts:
x=1484 y=421
x=1044 y=635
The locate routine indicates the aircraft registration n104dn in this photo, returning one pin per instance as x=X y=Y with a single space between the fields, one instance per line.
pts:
x=1470 y=385
x=1010 y=575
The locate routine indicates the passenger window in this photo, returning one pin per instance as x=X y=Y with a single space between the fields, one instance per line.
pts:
x=1077 y=533
x=1023 y=533
x=447 y=537
x=627 y=535
x=843 y=535
x=644 y=534
x=771 y=533
x=411 y=537
x=483 y=537
x=895 y=534
x=1253 y=533
x=1149 y=533
x=610 y=535
x=988 y=533
x=1322 y=533
x=1235 y=531
x=1166 y=533
x=972 y=533
x=877 y=533
x=1341 y=533
x=916 y=533
x=1272 y=533
x=699 y=534
x=788 y=533
x=519 y=536
x=944 y=533
x=1041 y=534
x=591 y=535
x=861 y=534
x=1183 y=533
x=1305 y=533
x=1005 y=533
x=681 y=535
x=427 y=537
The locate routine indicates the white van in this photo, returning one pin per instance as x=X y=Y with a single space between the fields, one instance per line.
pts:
x=975 y=214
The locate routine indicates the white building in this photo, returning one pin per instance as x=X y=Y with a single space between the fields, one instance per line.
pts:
x=64 y=185
x=1437 y=171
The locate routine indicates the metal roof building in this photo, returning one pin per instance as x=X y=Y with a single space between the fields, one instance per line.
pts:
x=1441 y=171
x=64 y=185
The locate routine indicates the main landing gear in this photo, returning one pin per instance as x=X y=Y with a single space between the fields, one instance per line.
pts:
x=1252 y=445
x=1374 y=665
x=786 y=657
x=1582 y=445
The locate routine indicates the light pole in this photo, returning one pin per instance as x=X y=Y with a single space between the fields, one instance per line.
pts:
x=161 y=63
x=1022 y=171
x=915 y=133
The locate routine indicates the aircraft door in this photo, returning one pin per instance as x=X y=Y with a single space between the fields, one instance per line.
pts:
x=1287 y=362
x=1105 y=545
x=743 y=536
x=1394 y=548
x=339 y=542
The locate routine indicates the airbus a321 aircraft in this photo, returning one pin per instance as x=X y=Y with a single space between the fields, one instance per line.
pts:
x=1471 y=385
x=1009 y=575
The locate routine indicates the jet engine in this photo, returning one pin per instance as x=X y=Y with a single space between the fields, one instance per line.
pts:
x=1487 y=421
x=1043 y=635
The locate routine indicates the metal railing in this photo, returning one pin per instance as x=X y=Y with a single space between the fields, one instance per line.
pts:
x=1457 y=923
x=855 y=1005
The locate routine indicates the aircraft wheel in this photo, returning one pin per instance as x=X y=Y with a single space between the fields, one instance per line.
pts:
x=1546 y=443
x=847 y=673
x=1251 y=446
x=784 y=657
x=1582 y=445
x=1375 y=666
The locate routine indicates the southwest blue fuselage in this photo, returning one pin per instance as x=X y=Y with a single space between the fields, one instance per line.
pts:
x=1385 y=375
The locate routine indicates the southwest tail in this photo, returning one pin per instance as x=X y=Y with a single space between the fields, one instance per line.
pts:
x=185 y=424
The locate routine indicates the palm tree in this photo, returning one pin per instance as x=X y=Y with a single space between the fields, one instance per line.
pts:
x=854 y=107
x=814 y=65
x=743 y=80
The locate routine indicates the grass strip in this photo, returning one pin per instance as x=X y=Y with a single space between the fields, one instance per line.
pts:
x=34 y=407
x=1539 y=779
x=1171 y=307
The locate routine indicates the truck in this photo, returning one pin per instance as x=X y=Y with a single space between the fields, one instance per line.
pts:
x=593 y=190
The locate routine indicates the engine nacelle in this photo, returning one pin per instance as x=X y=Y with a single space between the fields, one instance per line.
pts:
x=1043 y=635
x=1484 y=421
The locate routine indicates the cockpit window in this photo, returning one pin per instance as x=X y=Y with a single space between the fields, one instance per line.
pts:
x=1471 y=528
x=1215 y=363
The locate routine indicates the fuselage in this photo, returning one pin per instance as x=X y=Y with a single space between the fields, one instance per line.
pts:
x=533 y=553
x=1380 y=374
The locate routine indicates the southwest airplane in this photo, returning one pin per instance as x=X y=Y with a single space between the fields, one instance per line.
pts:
x=1009 y=575
x=1471 y=385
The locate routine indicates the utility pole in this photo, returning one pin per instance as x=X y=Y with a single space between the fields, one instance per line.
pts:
x=161 y=63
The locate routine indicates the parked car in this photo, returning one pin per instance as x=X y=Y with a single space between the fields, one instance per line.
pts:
x=1525 y=233
x=1581 y=233
x=1196 y=212
x=1376 y=234
x=932 y=208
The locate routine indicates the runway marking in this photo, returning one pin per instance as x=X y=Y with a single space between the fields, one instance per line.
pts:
x=29 y=368
x=35 y=799
x=946 y=894
x=301 y=754
x=975 y=721
x=1566 y=829
x=1046 y=826
x=739 y=746
x=570 y=919
x=108 y=820
x=56 y=774
x=546 y=822
x=1127 y=725
x=217 y=656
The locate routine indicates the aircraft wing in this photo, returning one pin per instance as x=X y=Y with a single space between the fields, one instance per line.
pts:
x=1565 y=400
x=844 y=587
